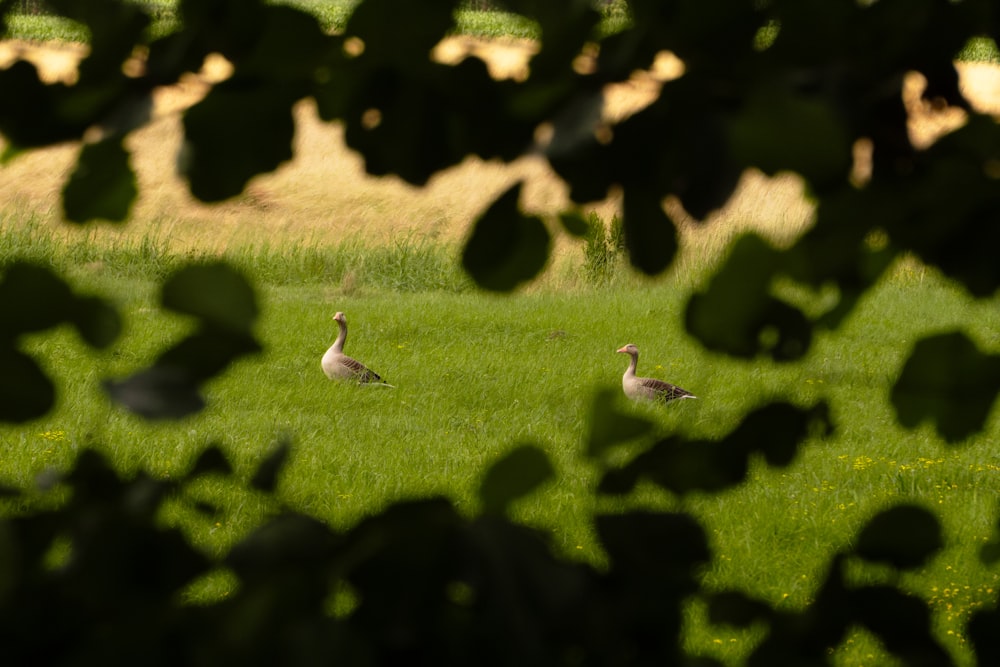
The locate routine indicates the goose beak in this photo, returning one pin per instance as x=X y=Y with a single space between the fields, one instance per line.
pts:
x=622 y=349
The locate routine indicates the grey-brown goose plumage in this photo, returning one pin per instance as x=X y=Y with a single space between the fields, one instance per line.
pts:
x=649 y=389
x=338 y=366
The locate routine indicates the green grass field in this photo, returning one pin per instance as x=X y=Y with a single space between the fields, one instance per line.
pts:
x=476 y=374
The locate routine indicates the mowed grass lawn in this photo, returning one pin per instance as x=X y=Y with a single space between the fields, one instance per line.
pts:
x=476 y=374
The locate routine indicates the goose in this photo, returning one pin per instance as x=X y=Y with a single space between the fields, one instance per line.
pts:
x=650 y=389
x=339 y=366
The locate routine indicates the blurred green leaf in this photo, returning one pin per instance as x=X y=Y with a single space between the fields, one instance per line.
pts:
x=955 y=180
x=415 y=127
x=114 y=29
x=902 y=622
x=98 y=322
x=905 y=536
x=587 y=167
x=284 y=559
x=575 y=224
x=29 y=109
x=225 y=145
x=158 y=393
x=736 y=609
x=982 y=632
x=655 y=547
x=619 y=481
x=226 y=306
x=34 y=299
x=685 y=466
x=206 y=509
x=9 y=556
x=170 y=388
x=807 y=638
x=678 y=145
x=506 y=247
x=838 y=249
x=650 y=235
x=728 y=315
x=103 y=185
x=518 y=473
x=213 y=292
x=207 y=352
x=950 y=382
x=212 y=460
x=575 y=126
x=26 y=393
x=290 y=47
x=609 y=426
x=406 y=40
x=990 y=551
x=778 y=429
x=779 y=130
x=737 y=315
x=265 y=478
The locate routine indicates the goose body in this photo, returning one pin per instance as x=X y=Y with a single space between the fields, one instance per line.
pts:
x=649 y=389
x=338 y=366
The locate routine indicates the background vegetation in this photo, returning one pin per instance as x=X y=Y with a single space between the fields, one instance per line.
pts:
x=263 y=516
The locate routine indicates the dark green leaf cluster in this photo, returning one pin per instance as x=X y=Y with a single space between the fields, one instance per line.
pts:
x=426 y=585
x=417 y=584
x=37 y=300
x=225 y=307
x=684 y=466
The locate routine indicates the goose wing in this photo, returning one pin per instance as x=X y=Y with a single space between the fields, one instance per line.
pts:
x=664 y=390
x=359 y=371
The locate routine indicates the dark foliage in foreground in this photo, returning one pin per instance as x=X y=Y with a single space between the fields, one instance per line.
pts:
x=426 y=586
x=422 y=584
